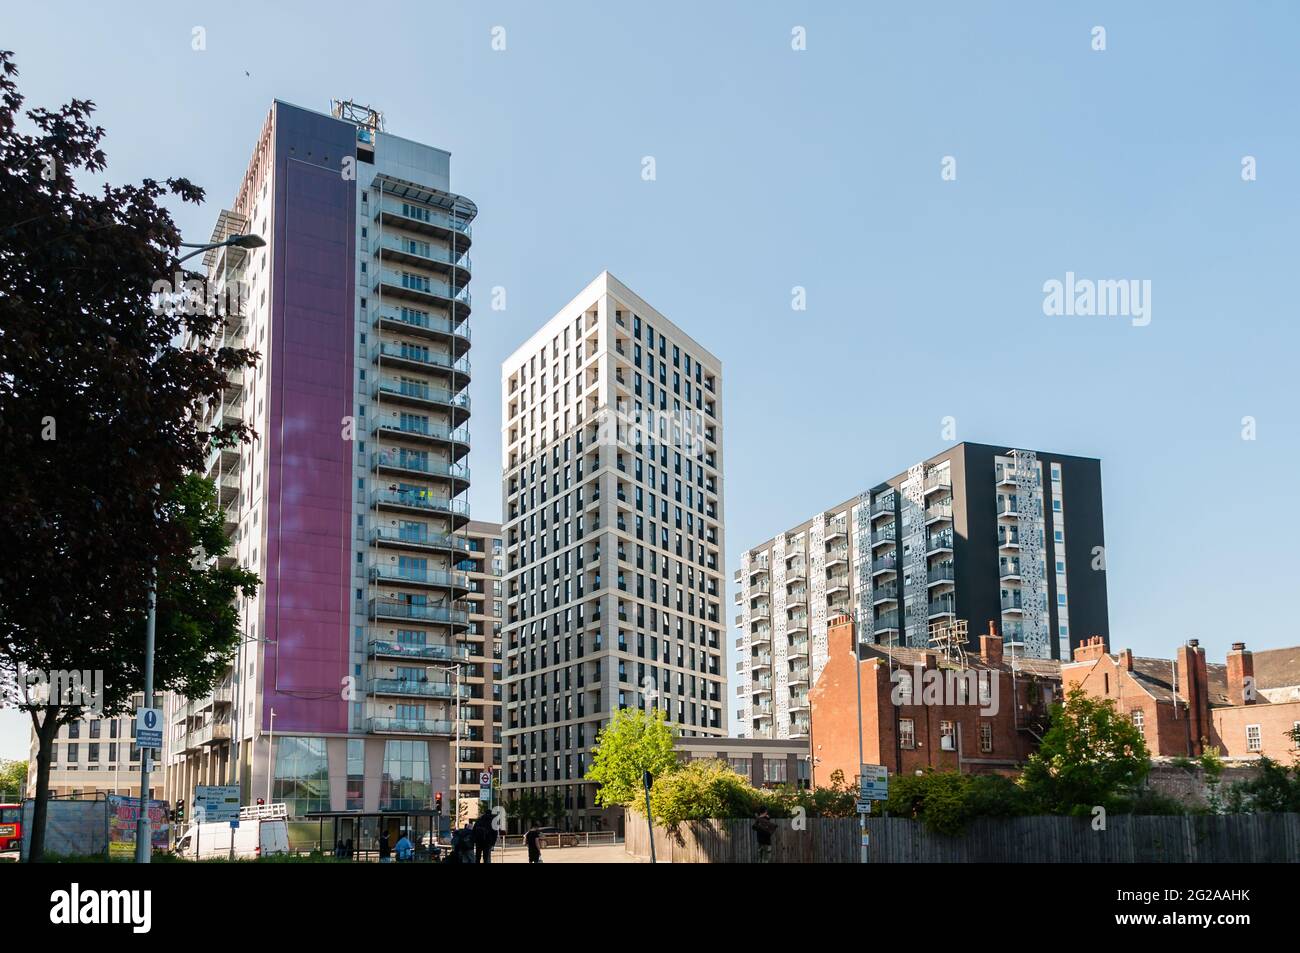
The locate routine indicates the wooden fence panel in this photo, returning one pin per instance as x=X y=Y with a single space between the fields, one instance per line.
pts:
x=1233 y=838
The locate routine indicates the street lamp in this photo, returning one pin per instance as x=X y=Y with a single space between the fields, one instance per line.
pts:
x=454 y=669
x=143 y=837
x=852 y=613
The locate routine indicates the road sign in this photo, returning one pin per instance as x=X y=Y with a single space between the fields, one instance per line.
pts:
x=148 y=727
x=216 y=803
x=873 y=783
x=485 y=787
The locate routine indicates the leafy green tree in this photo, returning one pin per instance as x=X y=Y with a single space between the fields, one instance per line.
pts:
x=699 y=790
x=101 y=400
x=13 y=780
x=1275 y=789
x=1090 y=756
x=631 y=744
x=946 y=801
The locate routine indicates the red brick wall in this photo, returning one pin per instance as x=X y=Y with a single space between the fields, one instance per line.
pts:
x=1166 y=730
x=1228 y=730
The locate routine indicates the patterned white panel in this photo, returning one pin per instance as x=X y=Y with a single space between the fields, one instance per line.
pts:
x=861 y=530
x=916 y=596
x=817 y=595
x=780 y=663
x=1033 y=552
x=747 y=652
x=780 y=606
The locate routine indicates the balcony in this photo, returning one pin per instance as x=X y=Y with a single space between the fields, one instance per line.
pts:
x=411 y=688
x=423 y=541
x=836 y=529
x=419 y=394
x=759 y=569
x=1011 y=603
x=421 y=501
x=939 y=543
x=796 y=573
x=421 y=324
x=427 y=221
x=760 y=636
x=837 y=584
x=760 y=662
x=414 y=612
x=422 y=290
x=797 y=623
x=1013 y=633
x=884 y=594
x=938 y=483
x=760 y=612
x=402 y=250
x=423 y=651
x=942 y=607
x=840 y=554
x=454 y=441
x=886 y=621
x=409 y=726
x=799 y=703
x=799 y=675
x=883 y=506
x=1009 y=540
x=940 y=573
x=415 y=357
x=886 y=565
x=1009 y=570
x=409 y=463
x=227 y=489
x=213 y=733
x=797 y=596
x=798 y=649
x=939 y=513
x=457 y=582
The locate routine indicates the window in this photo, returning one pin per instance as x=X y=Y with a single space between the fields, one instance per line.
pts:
x=947 y=736
x=774 y=771
x=1253 y=740
x=1139 y=722
x=406 y=783
x=906 y=733
x=301 y=775
x=986 y=736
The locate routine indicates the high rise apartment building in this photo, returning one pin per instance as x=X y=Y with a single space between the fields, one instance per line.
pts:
x=612 y=494
x=975 y=535
x=480 y=736
x=350 y=503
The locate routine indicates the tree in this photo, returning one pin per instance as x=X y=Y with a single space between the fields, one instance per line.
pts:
x=13 y=780
x=699 y=790
x=101 y=400
x=631 y=744
x=1091 y=756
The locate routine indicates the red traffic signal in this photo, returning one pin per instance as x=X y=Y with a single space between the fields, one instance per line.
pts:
x=437 y=802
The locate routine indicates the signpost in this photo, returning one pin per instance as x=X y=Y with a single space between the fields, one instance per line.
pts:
x=148 y=727
x=873 y=785
x=216 y=803
x=485 y=788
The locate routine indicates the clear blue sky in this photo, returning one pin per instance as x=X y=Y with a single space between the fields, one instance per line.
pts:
x=821 y=168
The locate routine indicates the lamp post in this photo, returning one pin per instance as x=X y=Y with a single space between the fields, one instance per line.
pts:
x=143 y=834
x=454 y=669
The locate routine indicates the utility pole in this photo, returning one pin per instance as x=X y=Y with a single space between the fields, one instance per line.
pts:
x=143 y=834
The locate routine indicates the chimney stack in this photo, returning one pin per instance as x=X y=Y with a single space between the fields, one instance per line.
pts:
x=1193 y=688
x=1241 y=675
x=991 y=646
x=1091 y=650
x=1126 y=660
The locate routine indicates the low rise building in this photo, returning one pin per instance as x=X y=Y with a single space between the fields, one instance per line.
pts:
x=766 y=762
x=926 y=709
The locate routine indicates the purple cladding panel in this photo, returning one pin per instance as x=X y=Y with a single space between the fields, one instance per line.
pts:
x=309 y=475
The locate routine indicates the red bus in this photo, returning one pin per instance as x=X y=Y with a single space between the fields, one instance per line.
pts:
x=11 y=826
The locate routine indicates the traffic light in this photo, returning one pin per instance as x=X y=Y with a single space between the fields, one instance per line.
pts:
x=179 y=813
x=437 y=802
x=261 y=801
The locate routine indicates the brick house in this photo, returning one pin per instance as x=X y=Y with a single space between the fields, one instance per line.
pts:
x=991 y=728
x=1186 y=705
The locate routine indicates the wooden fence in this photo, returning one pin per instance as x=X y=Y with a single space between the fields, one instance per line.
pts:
x=1233 y=838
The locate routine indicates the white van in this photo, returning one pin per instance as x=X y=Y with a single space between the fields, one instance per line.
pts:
x=263 y=830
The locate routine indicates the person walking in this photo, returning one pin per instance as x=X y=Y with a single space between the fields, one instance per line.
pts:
x=385 y=851
x=404 y=849
x=533 y=841
x=485 y=838
x=764 y=826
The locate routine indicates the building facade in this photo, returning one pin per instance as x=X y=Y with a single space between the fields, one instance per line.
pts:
x=975 y=535
x=349 y=505
x=765 y=763
x=612 y=494
x=480 y=738
x=95 y=756
x=978 y=712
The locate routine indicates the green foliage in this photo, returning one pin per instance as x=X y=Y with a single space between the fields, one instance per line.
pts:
x=13 y=780
x=699 y=790
x=947 y=801
x=1275 y=790
x=530 y=810
x=1091 y=756
x=631 y=744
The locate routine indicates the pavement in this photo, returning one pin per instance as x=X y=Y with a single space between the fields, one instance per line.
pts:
x=600 y=854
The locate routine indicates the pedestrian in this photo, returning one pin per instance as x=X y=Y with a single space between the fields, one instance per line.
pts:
x=385 y=851
x=485 y=838
x=763 y=828
x=533 y=841
x=465 y=843
x=338 y=849
x=347 y=848
x=404 y=849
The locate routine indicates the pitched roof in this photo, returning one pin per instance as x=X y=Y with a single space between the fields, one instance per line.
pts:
x=1277 y=668
x=907 y=657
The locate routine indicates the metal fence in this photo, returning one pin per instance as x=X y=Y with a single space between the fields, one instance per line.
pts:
x=1233 y=838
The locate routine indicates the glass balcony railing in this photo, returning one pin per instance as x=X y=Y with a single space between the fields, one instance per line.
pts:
x=422 y=214
x=398 y=609
x=420 y=284
x=943 y=607
x=409 y=726
x=410 y=686
x=886 y=620
x=941 y=573
x=880 y=565
x=423 y=428
x=413 y=318
x=417 y=463
x=421 y=249
x=431 y=540
x=883 y=535
x=938 y=541
x=417 y=650
x=431 y=577
x=883 y=505
x=421 y=391
x=420 y=499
